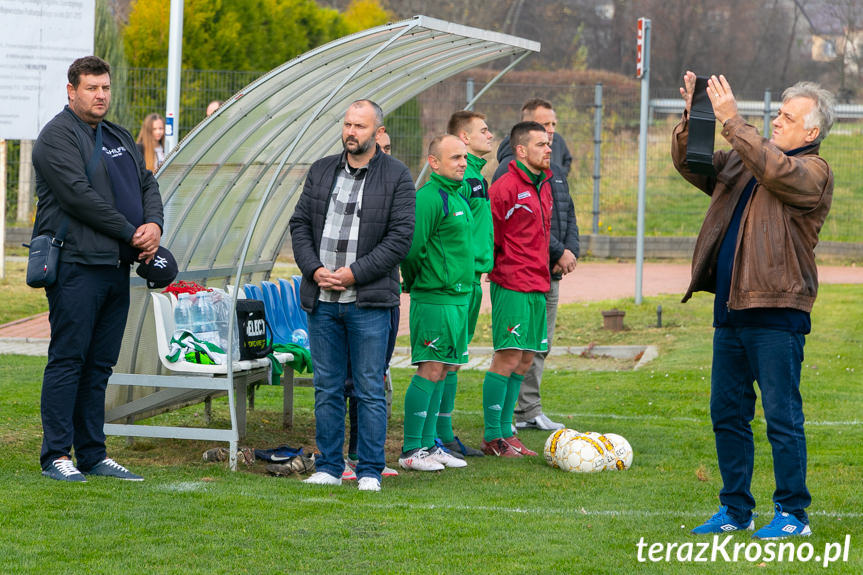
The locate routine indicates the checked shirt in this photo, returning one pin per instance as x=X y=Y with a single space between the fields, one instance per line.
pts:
x=342 y=228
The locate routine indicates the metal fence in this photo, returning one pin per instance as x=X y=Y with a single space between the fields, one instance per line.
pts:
x=604 y=191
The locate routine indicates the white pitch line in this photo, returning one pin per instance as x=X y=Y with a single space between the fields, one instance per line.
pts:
x=545 y=511
x=705 y=419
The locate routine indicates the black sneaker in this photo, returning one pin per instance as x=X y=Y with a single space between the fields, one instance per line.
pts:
x=110 y=468
x=457 y=447
x=64 y=470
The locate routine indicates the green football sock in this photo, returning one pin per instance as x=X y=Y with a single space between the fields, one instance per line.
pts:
x=447 y=404
x=493 y=395
x=417 y=398
x=430 y=424
x=513 y=385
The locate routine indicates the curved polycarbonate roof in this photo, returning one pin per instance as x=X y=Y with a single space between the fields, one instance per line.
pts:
x=230 y=186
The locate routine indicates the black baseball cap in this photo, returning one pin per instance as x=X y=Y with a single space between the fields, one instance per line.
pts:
x=161 y=270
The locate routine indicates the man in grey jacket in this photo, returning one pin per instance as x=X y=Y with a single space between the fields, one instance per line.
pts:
x=91 y=181
x=353 y=224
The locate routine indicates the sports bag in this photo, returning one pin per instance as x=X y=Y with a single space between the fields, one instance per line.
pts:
x=252 y=323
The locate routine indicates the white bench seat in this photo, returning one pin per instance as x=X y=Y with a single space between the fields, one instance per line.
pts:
x=192 y=382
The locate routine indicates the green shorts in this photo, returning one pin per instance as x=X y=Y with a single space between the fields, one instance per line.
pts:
x=438 y=333
x=518 y=319
x=473 y=310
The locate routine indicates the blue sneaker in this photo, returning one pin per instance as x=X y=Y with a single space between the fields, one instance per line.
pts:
x=722 y=522
x=63 y=470
x=110 y=468
x=783 y=525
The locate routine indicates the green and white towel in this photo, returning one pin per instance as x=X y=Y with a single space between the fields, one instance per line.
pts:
x=186 y=347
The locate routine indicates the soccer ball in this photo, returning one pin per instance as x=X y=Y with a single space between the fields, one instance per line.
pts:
x=622 y=452
x=554 y=442
x=610 y=458
x=581 y=454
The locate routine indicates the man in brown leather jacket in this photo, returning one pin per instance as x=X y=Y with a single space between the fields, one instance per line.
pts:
x=755 y=252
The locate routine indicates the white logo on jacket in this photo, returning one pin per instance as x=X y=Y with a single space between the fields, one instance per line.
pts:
x=516 y=207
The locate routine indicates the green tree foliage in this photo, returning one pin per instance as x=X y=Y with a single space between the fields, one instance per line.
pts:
x=109 y=47
x=365 y=14
x=241 y=34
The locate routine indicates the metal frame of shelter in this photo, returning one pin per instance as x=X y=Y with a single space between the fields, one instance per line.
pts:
x=230 y=185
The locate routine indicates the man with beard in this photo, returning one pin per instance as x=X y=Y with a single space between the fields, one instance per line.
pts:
x=352 y=226
x=521 y=207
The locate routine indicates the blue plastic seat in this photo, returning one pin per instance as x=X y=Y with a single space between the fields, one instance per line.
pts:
x=303 y=317
x=253 y=291
x=280 y=330
x=286 y=292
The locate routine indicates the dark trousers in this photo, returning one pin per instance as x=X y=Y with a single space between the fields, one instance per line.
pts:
x=772 y=357
x=87 y=307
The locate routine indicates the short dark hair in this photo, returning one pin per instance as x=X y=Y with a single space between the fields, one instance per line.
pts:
x=531 y=105
x=87 y=66
x=379 y=113
x=520 y=133
x=461 y=120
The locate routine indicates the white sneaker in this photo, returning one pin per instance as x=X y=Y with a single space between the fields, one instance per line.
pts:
x=369 y=484
x=541 y=421
x=445 y=459
x=323 y=478
x=419 y=460
x=389 y=472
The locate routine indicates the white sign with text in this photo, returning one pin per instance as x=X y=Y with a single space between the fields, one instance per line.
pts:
x=39 y=39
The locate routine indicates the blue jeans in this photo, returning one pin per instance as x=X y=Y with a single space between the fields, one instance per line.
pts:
x=742 y=355
x=335 y=330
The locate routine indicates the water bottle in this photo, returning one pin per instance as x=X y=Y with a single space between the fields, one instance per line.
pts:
x=183 y=312
x=300 y=337
x=223 y=308
x=204 y=318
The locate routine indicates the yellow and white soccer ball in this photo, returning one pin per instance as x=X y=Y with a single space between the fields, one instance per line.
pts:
x=581 y=454
x=622 y=452
x=554 y=442
x=610 y=457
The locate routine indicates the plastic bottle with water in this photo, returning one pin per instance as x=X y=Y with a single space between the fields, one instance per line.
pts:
x=204 y=318
x=300 y=337
x=183 y=313
x=223 y=307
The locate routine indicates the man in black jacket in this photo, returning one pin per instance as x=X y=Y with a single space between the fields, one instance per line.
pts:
x=90 y=180
x=563 y=255
x=352 y=226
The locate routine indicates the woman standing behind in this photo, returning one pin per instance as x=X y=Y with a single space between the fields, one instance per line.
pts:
x=151 y=141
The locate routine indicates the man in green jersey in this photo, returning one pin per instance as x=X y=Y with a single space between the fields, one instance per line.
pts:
x=470 y=127
x=438 y=273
